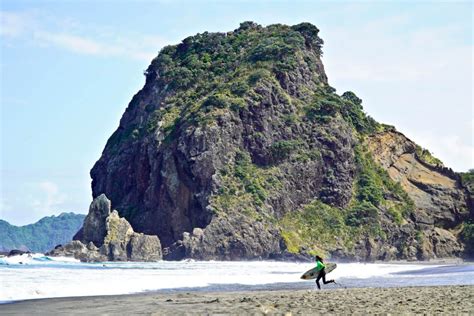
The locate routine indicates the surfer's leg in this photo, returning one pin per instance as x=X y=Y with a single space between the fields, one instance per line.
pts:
x=323 y=274
x=326 y=282
x=317 y=281
x=324 y=278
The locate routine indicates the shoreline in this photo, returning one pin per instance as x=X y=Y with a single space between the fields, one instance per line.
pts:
x=450 y=260
x=420 y=299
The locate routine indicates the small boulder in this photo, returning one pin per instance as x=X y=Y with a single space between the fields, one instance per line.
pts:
x=143 y=247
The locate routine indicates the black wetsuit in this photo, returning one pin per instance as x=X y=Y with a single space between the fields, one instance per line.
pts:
x=322 y=274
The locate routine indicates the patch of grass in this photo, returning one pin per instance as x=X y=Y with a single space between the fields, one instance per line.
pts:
x=292 y=241
x=245 y=187
x=396 y=214
x=467 y=180
x=164 y=118
x=419 y=237
x=282 y=149
x=326 y=104
x=290 y=118
x=307 y=155
x=426 y=156
x=257 y=75
x=315 y=227
x=467 y=236
x=373 y=183
x=239 y=88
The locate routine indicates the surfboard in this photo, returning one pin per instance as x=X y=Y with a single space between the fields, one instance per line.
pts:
x=313 y=273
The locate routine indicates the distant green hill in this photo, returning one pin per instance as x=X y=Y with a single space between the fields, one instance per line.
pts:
x=41 y=236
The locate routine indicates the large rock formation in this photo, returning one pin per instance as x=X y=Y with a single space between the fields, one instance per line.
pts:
x=238 y=148
x=113 y=235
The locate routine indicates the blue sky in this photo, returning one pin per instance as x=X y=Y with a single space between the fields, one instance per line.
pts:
x=69 y=69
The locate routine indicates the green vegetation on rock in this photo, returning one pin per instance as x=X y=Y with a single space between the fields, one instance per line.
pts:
x=317 y=227
x=326 y=104
x=314 y=229
x=375 y=190
x=217 y=70
x=426 y=156
x=282 y=149
x=467 y=179
x=467 y=236
x=245 y=186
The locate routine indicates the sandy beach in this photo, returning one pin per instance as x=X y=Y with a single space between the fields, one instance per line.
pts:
x=426 y=300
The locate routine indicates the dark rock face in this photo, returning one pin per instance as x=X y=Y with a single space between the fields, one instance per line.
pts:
x=235 y=238
x=232 y=132
x=94 y=228
x=119 y=241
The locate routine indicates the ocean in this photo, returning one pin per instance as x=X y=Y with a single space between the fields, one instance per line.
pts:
x=38 y=276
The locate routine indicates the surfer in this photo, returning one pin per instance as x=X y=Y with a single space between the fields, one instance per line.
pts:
x=320 y=266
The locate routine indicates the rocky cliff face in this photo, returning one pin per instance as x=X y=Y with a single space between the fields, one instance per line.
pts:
x=237 y=147
x=105 y=236
x=441 y=202
x=439 y=197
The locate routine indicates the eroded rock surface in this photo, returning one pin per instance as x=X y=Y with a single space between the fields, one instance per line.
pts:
x=442 y=203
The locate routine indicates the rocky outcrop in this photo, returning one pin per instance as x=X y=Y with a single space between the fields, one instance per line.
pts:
x=115 y=236
x=441 y=202
x=236 y=238
x=94 y=229
x=235 y=135
x=78 y=250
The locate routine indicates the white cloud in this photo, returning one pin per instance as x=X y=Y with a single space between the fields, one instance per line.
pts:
x=417 y=78
x=139 y=48
x=451 y=149
x=49 y=199
x=42 y=30
x=70 y=42
x=12 y=24
x=393 y=48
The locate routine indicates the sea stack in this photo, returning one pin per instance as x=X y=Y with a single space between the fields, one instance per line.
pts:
x=106 y=236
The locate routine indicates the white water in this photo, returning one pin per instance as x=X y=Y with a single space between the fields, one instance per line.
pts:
x=37 y=276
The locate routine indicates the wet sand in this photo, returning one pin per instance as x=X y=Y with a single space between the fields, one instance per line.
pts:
x=407 y=300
